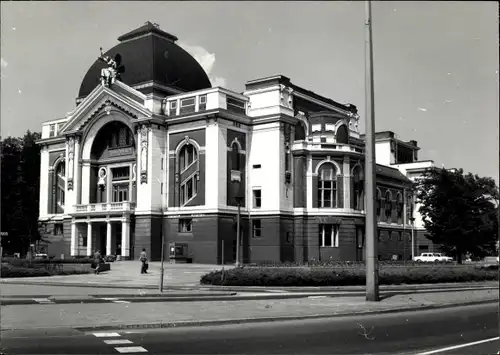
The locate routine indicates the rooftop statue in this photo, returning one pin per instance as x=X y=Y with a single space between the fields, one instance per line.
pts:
x=114 y=69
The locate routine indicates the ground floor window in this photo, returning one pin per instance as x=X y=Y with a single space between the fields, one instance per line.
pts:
x=256 y=228
x=185 y=225
x=329 y=235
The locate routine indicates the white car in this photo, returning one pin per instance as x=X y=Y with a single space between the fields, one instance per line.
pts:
x=432 y=258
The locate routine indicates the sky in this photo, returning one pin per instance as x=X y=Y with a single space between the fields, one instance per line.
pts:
x=435 y=63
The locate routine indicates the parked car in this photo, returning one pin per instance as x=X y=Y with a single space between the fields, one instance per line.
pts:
x=432 y=258
x=488 y=262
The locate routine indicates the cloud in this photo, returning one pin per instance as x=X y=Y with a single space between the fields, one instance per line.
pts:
x=422 y=109
x=206 y=60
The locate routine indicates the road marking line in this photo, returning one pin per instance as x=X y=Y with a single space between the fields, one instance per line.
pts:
x=106 y=335
x=131 y=349
x=42 y=300
x=459 y=346
x=117 y=341
x=120 y=301
x=108 y=299
x=316 y=297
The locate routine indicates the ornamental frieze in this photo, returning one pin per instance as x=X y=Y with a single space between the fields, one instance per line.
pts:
x=144 y=153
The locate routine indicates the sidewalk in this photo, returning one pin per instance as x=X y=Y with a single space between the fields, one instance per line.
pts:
x=126 y=275
x=174 y=314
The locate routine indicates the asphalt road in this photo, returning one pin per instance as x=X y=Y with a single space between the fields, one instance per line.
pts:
x=398 y=333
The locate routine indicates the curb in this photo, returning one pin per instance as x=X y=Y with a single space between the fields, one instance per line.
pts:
x=261 y=288
x=272 y=319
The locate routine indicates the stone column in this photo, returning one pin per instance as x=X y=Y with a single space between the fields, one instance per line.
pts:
x=309 y=183
x=89 y=239
x=125 y=239
x=74 y=241
x=108 y=238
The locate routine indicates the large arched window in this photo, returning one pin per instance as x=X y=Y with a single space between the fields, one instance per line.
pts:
x=188 y=168
x=60 y=186
x=358 y=188
x=342 y=135
x=399 y=207
x=388 y=206
x=235 y=157
x=327 y=186
x=188 y=155
x=379 y=202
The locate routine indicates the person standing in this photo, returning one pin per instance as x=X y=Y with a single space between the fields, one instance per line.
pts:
x=144 y=260
x=97 y=261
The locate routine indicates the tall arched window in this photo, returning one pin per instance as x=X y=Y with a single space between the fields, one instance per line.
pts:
x=342 y=135
x=388 y=206
x=358 y=188
x=60 y=186
x=235 y=157
x=379 y=202
x=188 y=155
x=400 y=207
x=188 y=168
x=327 y=186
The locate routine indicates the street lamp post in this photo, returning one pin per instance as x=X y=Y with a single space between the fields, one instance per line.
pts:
x=236 y=181
x=162 y=271
x=372 y=290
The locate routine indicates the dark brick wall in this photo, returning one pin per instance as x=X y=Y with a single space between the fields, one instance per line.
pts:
x=146 y=234
x=299 y=181
x=202 y=241
x=58 y=244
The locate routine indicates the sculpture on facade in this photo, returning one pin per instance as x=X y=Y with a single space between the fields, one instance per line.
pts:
x=101 y=182
x=114 y=69
x=144 y=154
x=71 y=155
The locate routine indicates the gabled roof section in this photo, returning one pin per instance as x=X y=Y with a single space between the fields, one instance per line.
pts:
x=118 y=96
x=391 y=173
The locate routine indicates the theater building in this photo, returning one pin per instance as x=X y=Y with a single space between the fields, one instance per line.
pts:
x=159 y=152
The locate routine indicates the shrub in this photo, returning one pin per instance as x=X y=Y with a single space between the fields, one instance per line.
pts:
x=280 y=276
x=9 y=271
x=29 y=264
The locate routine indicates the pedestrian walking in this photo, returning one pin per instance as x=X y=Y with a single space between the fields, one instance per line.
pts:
x=97 y=261
x=144 y=261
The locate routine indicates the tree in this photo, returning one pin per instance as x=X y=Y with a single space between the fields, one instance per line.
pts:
x=459 y=211
x=20 y=191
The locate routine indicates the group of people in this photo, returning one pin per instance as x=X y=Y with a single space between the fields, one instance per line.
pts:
x=98 y=260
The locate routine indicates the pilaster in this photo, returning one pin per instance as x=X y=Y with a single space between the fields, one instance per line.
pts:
x=347 y=182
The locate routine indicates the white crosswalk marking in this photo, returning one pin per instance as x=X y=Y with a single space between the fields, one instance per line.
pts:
x=106 y=335
x=131 y=349
x=117 y=341
x=42 y=300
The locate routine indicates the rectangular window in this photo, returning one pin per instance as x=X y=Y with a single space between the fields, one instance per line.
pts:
x=187 y=105
x=120 y=193
x=256 y=228
x=360 y=237
x=323 y=139
x=329 y=235
x=185 y=225
x=257 y=198
x=58 y=229
x=256 y=166
x=173 y=108
x=202 y=103
x=84 y=240
x=316 y=127
x=122 y=173
x=400 y=236
x=52 y=130
x=327 y=193
x=329 y=127
x=235 y=105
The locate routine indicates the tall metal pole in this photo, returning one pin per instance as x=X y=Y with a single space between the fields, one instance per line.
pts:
x=372 y=290
x=238 y=235
x=162 y=271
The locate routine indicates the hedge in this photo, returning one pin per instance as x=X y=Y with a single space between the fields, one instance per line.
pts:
x=28 y=264
x=9 y=271
x=343 y=277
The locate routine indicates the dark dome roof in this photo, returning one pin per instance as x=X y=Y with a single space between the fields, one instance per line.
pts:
x=150 y=54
